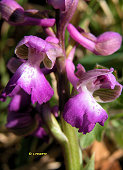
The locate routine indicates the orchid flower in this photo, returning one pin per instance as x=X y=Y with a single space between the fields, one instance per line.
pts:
x=29 y=76
x=25 y=123
x=82 y=110
x=21 y=119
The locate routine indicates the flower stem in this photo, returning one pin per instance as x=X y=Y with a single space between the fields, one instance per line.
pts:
x=71 y=151
x=67 y=140
x=71 y=148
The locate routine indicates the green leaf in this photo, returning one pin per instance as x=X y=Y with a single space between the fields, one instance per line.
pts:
x=120 y=99
x=90 y=164
x=119 y=137
x=86 y=140
x=95 y=134
x=117 y=132
x=116 y=116
x=4 y=105
x=3 y=118
x=114 y=60
x=98 y=131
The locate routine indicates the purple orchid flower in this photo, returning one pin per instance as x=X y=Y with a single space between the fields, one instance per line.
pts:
x=14 y=14
x=21 y=119
x=25 y=123
x=29 y=76
x=105 y=44
x=82 y=111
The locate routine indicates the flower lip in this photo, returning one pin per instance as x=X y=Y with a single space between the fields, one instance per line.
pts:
x=30 y=78
x=83 y=112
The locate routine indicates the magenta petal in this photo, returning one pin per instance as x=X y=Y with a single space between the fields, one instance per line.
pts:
x=14 y=63
x=52 y=52
x=52 y=39
x=87 y=35
x=15 y=15
x=85 y=42
x=40 y=133
x=70 y=68
x=33 y=82
x=80 y=71
x=10 y=87
x=20 y=101
x=83 y=112
x=46 y=22
x=11 y=3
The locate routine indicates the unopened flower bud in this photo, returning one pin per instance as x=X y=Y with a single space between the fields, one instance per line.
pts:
x=105 y=44
x=11 y=11
x=108 y=43
x=14 y=14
